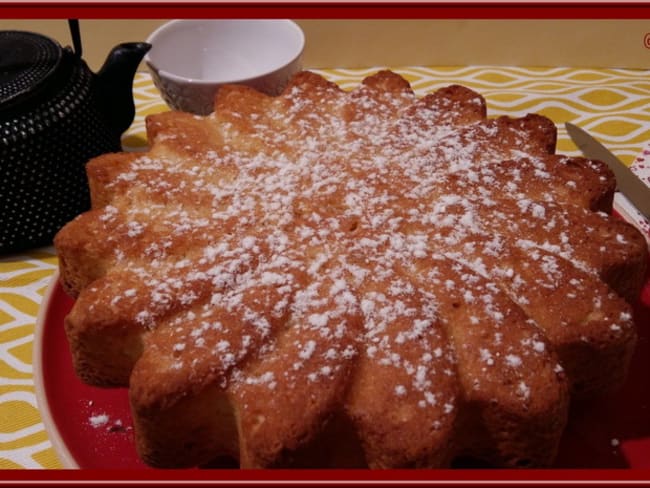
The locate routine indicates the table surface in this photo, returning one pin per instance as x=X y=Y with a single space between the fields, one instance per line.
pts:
x=612 y=104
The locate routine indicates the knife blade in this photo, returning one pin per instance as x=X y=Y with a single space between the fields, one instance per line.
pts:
x=627 y=182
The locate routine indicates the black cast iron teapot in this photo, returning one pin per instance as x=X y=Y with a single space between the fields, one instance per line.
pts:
x=55 y=115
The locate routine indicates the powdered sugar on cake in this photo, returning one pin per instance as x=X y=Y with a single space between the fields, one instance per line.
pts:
x=386 y=186
x=312 y=240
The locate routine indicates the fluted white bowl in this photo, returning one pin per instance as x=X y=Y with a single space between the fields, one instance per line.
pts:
x=190 y=59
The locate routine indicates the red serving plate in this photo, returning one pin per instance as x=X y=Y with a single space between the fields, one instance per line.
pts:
x=91 y=427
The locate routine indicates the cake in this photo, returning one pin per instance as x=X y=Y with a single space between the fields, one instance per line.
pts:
x=361 y=278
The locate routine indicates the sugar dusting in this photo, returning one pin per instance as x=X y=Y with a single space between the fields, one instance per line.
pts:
x=352 y=218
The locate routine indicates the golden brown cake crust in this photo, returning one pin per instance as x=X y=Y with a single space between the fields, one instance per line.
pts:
x=350 y=278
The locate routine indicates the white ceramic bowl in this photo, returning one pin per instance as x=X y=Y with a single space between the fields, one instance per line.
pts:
x=190 y=59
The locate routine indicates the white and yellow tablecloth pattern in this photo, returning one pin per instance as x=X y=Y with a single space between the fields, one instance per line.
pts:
x=612 y=104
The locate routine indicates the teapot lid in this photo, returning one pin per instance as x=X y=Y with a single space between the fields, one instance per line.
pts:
x=27 y=60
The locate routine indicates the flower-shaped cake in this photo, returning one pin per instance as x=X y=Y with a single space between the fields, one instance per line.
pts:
x=362 y=278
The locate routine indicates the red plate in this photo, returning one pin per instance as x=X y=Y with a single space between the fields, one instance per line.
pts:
x=91 y=427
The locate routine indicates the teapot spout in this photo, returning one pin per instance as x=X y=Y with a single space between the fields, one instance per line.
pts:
x=114 y=83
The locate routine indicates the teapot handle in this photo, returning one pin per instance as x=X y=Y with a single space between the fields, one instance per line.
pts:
x=76 y=36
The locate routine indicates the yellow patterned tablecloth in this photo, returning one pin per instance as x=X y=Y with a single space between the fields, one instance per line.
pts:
x=612 y=104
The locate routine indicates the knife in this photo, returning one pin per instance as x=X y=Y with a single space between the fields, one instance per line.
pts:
x=626 y=181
